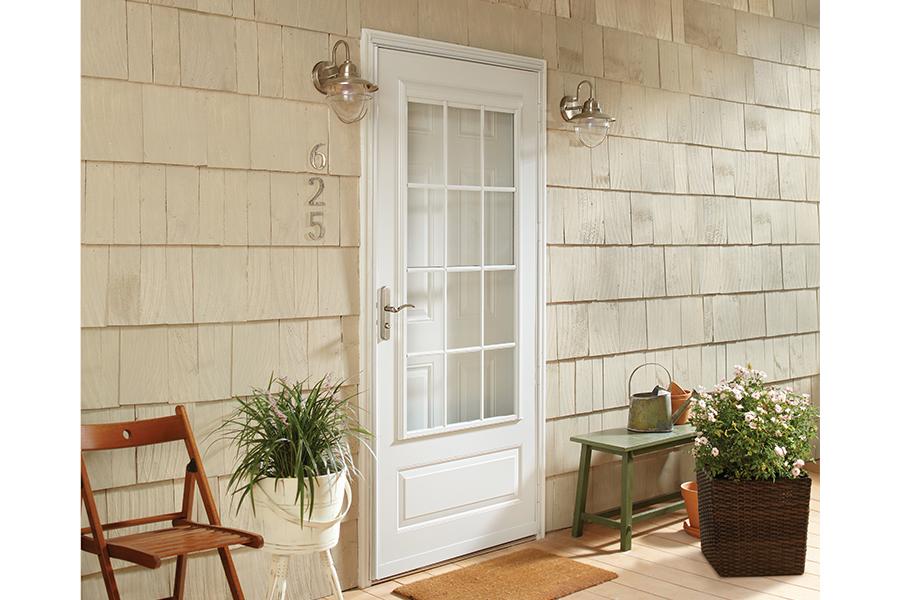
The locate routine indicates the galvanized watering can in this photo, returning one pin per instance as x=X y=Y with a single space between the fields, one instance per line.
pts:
x=651 y=412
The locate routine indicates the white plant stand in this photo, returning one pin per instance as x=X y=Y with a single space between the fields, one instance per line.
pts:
x=278 y=575
x=314 y=536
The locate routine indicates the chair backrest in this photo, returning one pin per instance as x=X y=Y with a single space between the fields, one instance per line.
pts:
x=130 y=434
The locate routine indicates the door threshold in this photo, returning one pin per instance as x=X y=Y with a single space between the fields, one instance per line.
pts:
x=451 y=561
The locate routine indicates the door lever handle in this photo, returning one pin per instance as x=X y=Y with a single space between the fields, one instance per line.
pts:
x=384 y=300
x=397 y=309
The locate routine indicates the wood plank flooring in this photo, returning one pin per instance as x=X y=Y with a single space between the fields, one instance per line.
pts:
x=664 y=562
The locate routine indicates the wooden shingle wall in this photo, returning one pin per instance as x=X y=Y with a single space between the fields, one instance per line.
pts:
x=690 y=237
x=198 y=278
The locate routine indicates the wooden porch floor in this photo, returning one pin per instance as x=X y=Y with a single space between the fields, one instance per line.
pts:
x=664 y=562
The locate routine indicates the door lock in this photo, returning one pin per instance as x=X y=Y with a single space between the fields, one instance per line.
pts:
x=384 y=300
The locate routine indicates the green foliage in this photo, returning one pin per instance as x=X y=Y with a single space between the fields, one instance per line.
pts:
x=286 y=432
x=746 y=430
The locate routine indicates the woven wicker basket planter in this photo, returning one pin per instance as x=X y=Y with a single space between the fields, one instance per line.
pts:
x=754 y=528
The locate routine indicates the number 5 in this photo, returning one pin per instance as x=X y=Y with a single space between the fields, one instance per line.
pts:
x=315 y=220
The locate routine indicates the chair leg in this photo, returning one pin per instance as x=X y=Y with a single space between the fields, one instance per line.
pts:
x=109 y=578
x=231 y=574
x=180 y=572
x=335 y=582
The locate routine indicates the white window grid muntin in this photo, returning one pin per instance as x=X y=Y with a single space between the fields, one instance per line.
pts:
x=482 y=268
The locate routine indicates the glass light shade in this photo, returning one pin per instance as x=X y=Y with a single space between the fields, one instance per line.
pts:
x=591 y=131
x=350 y=106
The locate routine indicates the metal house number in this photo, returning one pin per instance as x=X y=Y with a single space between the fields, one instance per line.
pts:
x=317 y=217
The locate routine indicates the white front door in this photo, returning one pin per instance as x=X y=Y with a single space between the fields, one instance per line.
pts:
x=455 y=233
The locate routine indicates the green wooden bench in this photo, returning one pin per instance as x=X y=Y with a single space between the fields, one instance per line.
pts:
x=627 y=445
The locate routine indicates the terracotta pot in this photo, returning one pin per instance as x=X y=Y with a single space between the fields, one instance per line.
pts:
x=689 y=493
x=679 y=397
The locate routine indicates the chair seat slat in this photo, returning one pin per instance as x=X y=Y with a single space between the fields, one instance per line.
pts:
x=149 y=548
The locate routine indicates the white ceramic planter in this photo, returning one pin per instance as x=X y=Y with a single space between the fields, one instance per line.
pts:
x=279 y=515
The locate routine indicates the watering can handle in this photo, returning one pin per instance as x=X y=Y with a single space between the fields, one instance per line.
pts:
x=645 y=365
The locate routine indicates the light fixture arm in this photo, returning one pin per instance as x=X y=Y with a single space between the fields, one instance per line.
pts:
x=590 y=89
x=570 y=106
x=334 y=51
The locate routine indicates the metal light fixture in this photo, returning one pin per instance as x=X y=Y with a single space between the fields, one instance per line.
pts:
x=345 y=91
x=591 y=123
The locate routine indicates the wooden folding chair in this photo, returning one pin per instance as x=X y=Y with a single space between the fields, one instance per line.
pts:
x=185 y=536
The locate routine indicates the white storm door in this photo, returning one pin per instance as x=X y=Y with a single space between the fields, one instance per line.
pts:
x=455 y=219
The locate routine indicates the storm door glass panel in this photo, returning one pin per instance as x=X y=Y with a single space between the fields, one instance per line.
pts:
x=463 y=309
x=499 y=307
x=461 y=271
x=499 y=382
x=425 y=392
x=425 y=228
x=463 y=146
x=499 y=228
x=463 y=387
x=425 y=322
x=425 y=130
x=463 y=228
x=499 y=157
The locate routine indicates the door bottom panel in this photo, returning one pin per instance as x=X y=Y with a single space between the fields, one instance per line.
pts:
x=452 y=488
x=423 y=560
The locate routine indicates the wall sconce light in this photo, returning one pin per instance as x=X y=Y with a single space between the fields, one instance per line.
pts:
x=345 y=91
x=591 y=123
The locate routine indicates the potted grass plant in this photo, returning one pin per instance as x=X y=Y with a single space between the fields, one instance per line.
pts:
x=294 y=461
x=752 y=445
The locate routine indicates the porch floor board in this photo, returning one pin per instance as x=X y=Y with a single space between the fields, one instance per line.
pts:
x=664 y=562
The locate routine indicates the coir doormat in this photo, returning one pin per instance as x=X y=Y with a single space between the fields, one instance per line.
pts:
x=524 y=575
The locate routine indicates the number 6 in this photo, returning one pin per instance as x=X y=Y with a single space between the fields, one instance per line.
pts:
x=317 y=158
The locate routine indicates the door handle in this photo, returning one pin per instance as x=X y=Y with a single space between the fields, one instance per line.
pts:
x=384 y=300
x=398 y=308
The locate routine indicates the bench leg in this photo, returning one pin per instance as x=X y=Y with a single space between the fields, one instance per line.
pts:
x=626 y=506
x=584 y=470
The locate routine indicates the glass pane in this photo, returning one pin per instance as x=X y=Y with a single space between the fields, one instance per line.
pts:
x=425 y=322
x=463 y=228
x=425 y=228
x=463 y=146
x=425 y=392
x=499 y=382
x=499 y=307
x=463 y=309
x=499 y=150
x=463 y=387
x=499 y=228
x=425 y=125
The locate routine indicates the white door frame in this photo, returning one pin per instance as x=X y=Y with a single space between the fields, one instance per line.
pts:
x=371 y=41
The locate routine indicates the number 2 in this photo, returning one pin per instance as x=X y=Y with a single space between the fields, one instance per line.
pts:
x=314 y=201
x=317 y=217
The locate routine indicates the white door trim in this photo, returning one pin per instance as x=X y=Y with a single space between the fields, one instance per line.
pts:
x=371 y=41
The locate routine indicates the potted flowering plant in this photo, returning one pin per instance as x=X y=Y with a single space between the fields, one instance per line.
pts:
x=294 y=460
x=752 y=444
